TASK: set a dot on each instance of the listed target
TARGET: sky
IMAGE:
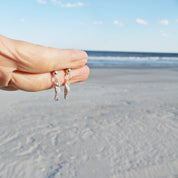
(112, 25)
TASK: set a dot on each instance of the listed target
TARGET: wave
(118, 58)
(104, 58)
(131, 61)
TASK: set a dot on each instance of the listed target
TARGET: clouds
(22, 20)
(42, 1)
(164, 22)
(164, 34)
(116, 22)
(77, 4)
(138, 21)
(141, 21)
(98, 22)
(61, 4)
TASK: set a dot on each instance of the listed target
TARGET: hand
(30, 67)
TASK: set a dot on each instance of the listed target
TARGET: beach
(120, 123)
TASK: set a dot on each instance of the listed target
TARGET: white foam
(111, 58)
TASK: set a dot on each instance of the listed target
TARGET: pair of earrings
(66, 86)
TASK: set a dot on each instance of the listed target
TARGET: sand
(119, 123)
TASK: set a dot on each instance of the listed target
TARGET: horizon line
(176, 53)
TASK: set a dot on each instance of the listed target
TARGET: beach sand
(121, 122)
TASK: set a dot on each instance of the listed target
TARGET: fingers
(38, 59)
(38, 82)
(28, 67)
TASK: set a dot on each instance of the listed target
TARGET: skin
(29, 67)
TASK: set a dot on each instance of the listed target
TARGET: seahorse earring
(56, 86)
(67, 83)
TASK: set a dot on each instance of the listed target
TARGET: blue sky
(119, 25)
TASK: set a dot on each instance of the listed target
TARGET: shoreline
(133, 67)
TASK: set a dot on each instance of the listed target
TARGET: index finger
(39, 59)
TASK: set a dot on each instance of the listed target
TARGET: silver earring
(56, 86)
(67, 83)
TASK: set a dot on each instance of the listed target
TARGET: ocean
(131, 59)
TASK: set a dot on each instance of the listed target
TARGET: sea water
(129, 59)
